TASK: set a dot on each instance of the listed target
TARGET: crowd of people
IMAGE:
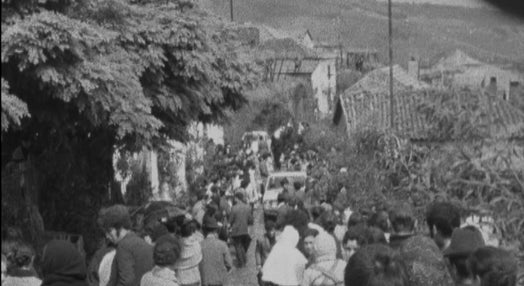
(307, 241)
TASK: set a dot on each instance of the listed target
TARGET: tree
(93, 75)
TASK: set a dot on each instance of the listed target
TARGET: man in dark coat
(425, 264)
(134, 256)
(241, 217)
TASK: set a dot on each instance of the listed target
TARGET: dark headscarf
(63, 265)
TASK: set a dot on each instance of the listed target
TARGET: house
(459, 70)
(366, 109)
(321, 72)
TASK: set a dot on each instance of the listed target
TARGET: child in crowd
(165, 254)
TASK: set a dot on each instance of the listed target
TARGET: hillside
(421, 30)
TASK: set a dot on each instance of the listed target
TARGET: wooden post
(231, 9)
(391, 96)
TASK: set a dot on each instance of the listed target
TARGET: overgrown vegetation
(482, 175)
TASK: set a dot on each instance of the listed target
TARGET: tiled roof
(456, 61)
(371, 109)
(378, 80)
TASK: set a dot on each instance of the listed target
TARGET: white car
(273, 188)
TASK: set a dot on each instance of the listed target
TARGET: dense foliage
(466, 166)
(81, 77)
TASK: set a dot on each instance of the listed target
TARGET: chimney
(414, 68)
(492, 87)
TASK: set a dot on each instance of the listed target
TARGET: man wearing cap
(134, 256)
(464, 241)
(239, 220)
(216, 259)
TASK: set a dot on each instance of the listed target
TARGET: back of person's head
(494, 266)
(354, 219)
(375, 265)
(402, 218)
(316, 212)
(239, 196)
(156, 230)
(188, 228)
(116, 216)
(380, 219)
(23, 255)
(296, 218)
(443, 217)
(297, 185)
(328, 221)
(284, 182)
(167, 251)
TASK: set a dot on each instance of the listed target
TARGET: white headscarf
(285, 263)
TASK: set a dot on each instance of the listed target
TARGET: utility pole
(391, 96)
(231, 9)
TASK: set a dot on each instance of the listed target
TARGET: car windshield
(274, 182)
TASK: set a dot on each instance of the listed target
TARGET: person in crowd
(63, 265)
(286, 187)
(282, 206)
(241, 217)
(153, 231)
(493, 266)
(464, 242)
(285, 264)
(23, 272)
(134, 256)
(380, 219)
(354, 219)
(442, 218)
(328, 221)
(425, 264)
(300, 192)
(264, 246)
(11, 238)
(187, 266)
(375, 265)
(326, 270)
(309, 241)
(99, 269)
(165, 254)
(216, 259)
(199, 208)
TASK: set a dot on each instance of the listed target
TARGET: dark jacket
(133, 258)
(425, 264)
(240, 218)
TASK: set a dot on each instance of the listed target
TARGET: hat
(210, 222)
(325, 246)
(464, 241)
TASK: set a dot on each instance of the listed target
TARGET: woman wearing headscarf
(63, 265)
(327, 269)
(285, 263)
